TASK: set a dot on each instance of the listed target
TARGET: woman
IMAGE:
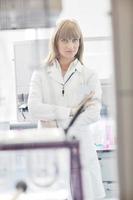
(57, 90)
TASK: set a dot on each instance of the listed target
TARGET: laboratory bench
(22, 125)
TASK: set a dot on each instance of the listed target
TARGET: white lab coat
(46, 102)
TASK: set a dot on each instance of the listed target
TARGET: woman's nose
(70, 44)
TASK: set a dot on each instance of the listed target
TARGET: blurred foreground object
(43, 173)
(122, 15)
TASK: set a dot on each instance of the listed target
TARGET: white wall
(7, 77)
(93, 15)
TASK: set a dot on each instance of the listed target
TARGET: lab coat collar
(74, 65)
(54, 70)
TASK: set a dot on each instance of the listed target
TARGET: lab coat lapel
(55, 74)
(75, 66)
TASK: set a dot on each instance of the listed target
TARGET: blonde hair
(66, 29)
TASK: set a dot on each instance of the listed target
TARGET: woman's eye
(75, 40)
(64, 40)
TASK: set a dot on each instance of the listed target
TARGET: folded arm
(92, 100)
(43, 111)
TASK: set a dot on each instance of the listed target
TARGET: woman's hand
(87, 101)
(49, 124)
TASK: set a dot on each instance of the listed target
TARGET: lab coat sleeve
(39, 110)
(92, 113)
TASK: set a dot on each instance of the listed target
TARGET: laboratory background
(25, 30)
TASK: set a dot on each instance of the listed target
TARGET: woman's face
(68, 48)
